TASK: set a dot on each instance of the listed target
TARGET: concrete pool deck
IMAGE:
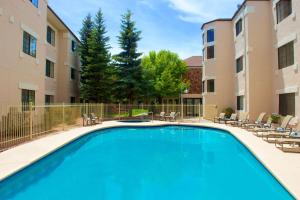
(284, 166)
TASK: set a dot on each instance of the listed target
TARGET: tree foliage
(164, 74)
(128, 62)
(97, 72)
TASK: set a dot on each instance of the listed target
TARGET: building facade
(38, 58)
(255, 62)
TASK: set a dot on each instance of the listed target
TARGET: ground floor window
(191, 106)
(240, 102)
(72, 99)
(287, 104)
(28, 96)
(49, 99)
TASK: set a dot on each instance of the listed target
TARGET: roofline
(235, 14)
(63, 23)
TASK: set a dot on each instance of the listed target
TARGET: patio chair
(257, 123)
(172, 116)
(290, 143)
(94, 118)
(86, 120)
(242, 119)
(219, 118)
(162, 116)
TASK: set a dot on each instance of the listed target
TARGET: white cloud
(146, 3)
(197, 11)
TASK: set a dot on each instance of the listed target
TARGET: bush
(275, 118)
(228, 112)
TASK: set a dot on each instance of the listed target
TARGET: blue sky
(165, 24)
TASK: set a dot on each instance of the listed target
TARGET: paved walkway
(284, 166)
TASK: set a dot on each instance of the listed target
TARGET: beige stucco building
(38, 57)
(254, 62)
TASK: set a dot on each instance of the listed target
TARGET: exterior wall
(286, 80)
(255, 45)
(20, 71)
(194, 75)
(221, 68)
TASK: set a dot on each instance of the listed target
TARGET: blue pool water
(173, 162)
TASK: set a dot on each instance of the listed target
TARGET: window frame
(285, 110)
(240, 103)
(49, 99)
(72, 73)
(210, 88)
(73, 46)
(72, 99)
(239, 64)
(49, 72)
(239, 27)
(50, 35)
(35, 3)
(281, 10)
(286, 55)
(27, 96)
(208, 37)
(208, 52)
(29, 44)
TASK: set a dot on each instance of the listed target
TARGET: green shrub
(228, 111)
(275, 118)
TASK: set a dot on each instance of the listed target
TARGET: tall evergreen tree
(128, 62)
(97, 74)
(85, 35)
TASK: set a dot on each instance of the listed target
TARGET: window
(283, 9)
(210, 53)
(72, 99)
(29, 44)
(203, 38)
(203, 86)
(28, 96)
(73, 73)
(211, 35)
(35, 2)
(287, 104)
(74, 45)
(239, 64)
(238, 27)
(50, 36)
(49, 99)
(49, 69)
(211, 85)
(240, 102)
(286, 55)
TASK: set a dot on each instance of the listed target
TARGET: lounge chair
(282, 131)
(219, 118)
(257, 123)
(162, 116)
(172, 116)
(264, 128)
(242, 119)
(233, 118)
(288, 144)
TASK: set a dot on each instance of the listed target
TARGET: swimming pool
(171, 162)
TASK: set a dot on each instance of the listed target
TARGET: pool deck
(284, 166)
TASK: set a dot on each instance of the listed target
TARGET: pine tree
(128, 62)
(85, 35)
(96, 87)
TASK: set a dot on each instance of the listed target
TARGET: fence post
(199, 111)
(181, 110)
(119, 111)
(30, 120)
(102, 112)
(63, 115)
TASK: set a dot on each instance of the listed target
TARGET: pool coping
(285, 167)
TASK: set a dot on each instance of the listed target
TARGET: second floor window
(73, 73)
(211, 35)
(286, 55)
(35, 2)
(74, 45)
(238, 27)
(210, 52)
(240, 102)
(49, 69)
(283, 9)
(50, 36)
(211, 85)
(29, 44)
(239, 64)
